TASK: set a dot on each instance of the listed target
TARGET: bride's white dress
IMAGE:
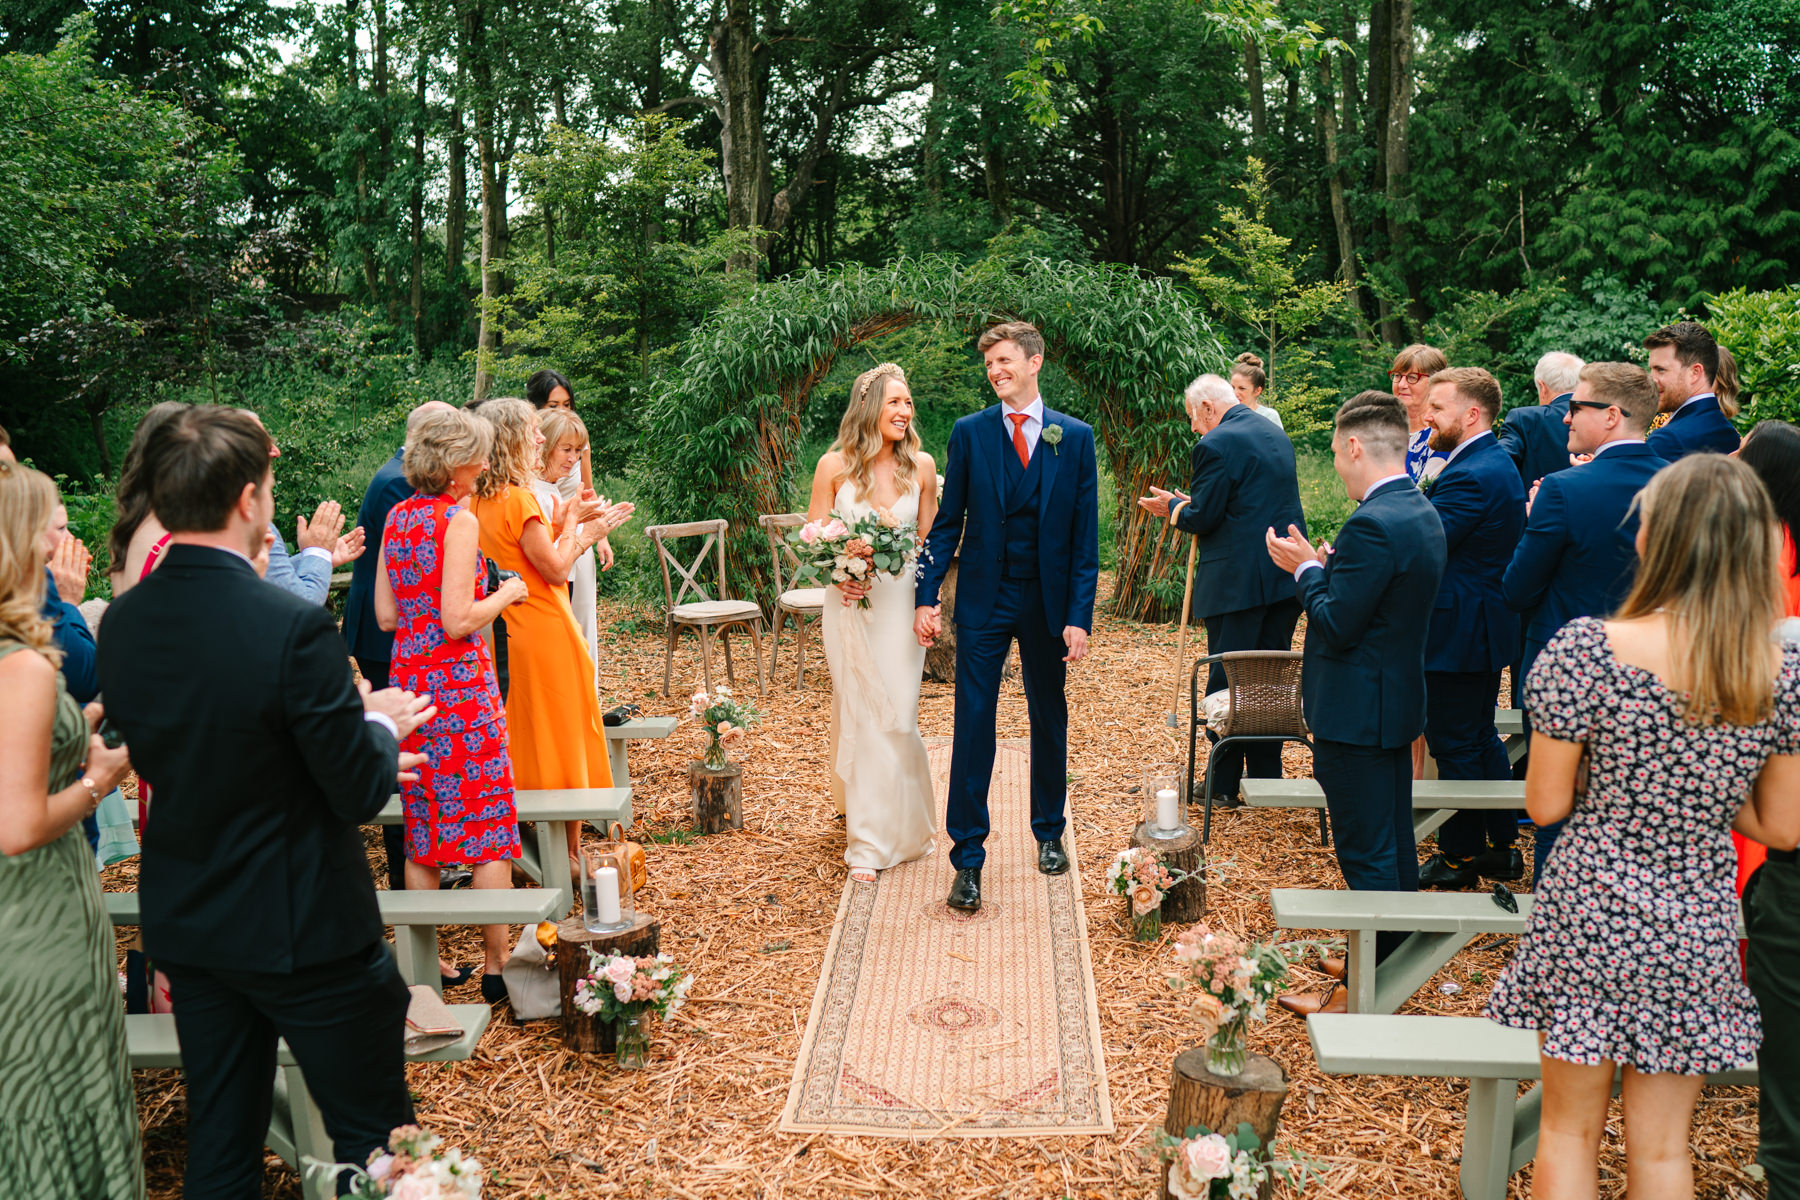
(876, 663)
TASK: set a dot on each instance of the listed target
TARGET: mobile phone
(110, 737)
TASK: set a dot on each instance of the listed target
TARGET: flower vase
(631, 1042)
(1147, 926)
(1225, 1048)
(715, 753)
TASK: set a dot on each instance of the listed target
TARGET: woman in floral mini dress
(1689, 712)
(430, 589)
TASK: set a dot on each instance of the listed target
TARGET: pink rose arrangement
(618, 984)
(725, 718)
(1205, 1165)
(414, 1166)
(1139, 875)
(861, 549)
(1225, 978)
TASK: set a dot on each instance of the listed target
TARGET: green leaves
(1763, 331)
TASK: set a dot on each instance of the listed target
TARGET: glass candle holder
(1165, 814)
(606, 895)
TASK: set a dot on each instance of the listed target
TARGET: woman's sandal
(863, 874)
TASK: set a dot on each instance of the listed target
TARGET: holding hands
(928, 623)
(1291, 551)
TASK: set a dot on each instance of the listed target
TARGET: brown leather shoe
(1302, 1004)
(1334, 966)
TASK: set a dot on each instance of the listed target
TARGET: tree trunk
(591, 1035)
(739, 69)
(456, 205)
(1399, 118)
(940, 656)
(1334, 179)
(1197, 1097)
(416, 203)
(96, 410)
(718, 796)
(993, 176)
(1186, 901)
(1253, 86)
(482, 76)
(1115, 187)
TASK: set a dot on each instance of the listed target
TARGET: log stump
(1186, 901)
(1221, 1103)
(591, 1035)
(940, 656)
(718, 796)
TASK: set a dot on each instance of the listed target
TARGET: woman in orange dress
(552, 710)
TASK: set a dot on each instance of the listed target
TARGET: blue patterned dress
(461, 808)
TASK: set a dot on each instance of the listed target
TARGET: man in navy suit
(1368, 604)
(1536, 436)
(1579, 552)
(1474, 636)
(1020, 497)
(1244, 484)
(1684, 360)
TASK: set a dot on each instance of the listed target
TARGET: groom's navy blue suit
(1030, 564)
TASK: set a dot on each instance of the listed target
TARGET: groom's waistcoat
(1020, 525)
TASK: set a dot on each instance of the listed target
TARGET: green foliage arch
(724, 424)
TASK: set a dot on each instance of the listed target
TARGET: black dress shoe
(965, 890)
(1441, 872)
(1504, 863)
(1052, 859)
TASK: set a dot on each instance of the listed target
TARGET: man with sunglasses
(1579, 555)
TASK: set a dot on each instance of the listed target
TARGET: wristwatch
(87, 781)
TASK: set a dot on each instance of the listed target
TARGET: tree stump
(581, 1032)
(1186, 901)
(718, 796)
(940, 657)
(1221, 1103)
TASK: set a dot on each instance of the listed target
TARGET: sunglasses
(1599, 404)
(1504, 898)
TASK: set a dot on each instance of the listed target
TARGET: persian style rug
(928, 1022)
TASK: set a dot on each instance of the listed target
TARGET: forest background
(331, 211)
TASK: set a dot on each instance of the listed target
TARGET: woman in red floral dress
(430, 589)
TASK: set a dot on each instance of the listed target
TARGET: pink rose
(623, 992)
(809, 532)
(420, 1186)
(834, 529)
(1206, 1157)
(620, 970)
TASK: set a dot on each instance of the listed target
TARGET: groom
(1019, 495)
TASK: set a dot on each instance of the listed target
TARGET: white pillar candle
(606, 895)
(1168, 809)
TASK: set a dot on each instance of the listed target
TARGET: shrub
(1762, 329)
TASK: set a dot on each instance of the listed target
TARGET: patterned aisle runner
(930, 1022)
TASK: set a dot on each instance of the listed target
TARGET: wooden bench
(636, 729)
(296, 1127)
(416, 916)
(1501, 1129)
(1434, 800)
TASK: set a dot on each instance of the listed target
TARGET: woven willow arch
(722, 427)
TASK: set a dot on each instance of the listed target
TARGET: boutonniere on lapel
(1052, 437)
(1429, 477)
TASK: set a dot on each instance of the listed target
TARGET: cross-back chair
(702, 613)
(797, 604)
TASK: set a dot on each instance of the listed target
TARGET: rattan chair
(1264, 690)
(795, 603)
(704, 614)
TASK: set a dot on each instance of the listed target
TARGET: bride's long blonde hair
(859, 437)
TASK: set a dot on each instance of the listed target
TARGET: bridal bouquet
(861, 549)
(415, 1166)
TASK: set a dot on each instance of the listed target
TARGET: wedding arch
(726, 422)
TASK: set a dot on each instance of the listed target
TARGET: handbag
(631, 852)
(531, 979)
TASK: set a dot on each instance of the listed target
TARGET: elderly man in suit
(1244, 484)
(1579, 552)
(239, 707)
(370, 645)
(1362, 683)
(1474, 636)
(1684, 361)
(1536, 436)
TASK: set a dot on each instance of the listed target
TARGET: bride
(876, 661)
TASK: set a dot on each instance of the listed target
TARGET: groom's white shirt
(1034, 423)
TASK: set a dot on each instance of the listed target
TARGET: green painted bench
(636, 729)
(1434, 800)
(1510, 724)
(416, 916)
(1501, 1127)
(296, 1127)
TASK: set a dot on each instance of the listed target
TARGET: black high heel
(462, 976)
(493, 988)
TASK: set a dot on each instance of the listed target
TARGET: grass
(1322, 496)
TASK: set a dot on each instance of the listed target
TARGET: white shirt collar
(1034, 413)
(1466, 443)
(1383, 482)
(1695, 400)
(1618, 442)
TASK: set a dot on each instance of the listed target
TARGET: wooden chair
(1264, 686)
(790, 602)
(704, 614)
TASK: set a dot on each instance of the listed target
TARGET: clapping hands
(405, 709)
(69, 564)
(1291, 551)
(1158, 502)
(323, 531)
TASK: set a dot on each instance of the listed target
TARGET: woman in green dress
(68, 1118)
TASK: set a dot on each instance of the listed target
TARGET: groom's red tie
(1018, 420)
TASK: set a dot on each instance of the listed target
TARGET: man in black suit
(1474, 636)
(1535, 436)
(257, 902)
(1244, 484)
(1368, 604)
(370, 645)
